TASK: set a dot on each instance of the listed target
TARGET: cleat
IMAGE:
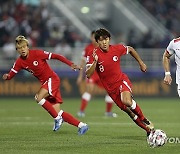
(81, 114)
(110, 114)
(150, 132)
(148, 124)
(83, 130)
(57, 123)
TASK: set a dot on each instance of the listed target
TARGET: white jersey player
(173, 48)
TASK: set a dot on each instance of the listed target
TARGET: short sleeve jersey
(108, 65)
(174, 48)
(36, 64)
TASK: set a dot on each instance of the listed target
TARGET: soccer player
(105, 59)
(48, 96)
(91, 83)
(172, 49)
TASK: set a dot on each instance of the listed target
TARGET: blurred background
(64, 26)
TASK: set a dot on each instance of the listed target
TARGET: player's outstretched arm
(80, 76)
(9, 76)
(61, 58)
(166, 61)
(134, 54)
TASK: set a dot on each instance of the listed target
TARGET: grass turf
(26, 128)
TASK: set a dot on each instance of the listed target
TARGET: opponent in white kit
(173, 48)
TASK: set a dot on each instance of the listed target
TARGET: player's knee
(126, 101)
(37, 99)
(108, 99)
(86, 96)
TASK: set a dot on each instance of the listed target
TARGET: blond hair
(20, 40)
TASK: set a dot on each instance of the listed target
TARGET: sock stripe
(60, 112)
(42, 101)
(133, 106)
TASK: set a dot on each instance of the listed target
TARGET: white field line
(89, 123)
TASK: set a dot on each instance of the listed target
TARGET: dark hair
(102, 33)
(93, 32)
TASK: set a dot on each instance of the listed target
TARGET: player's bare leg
(134, 107)
(59, 116)
(86, 97)
(40, 98)
(136, 119)
(57, 107)
(109, 104)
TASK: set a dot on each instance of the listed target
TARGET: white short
(178, 89)
(178, 76)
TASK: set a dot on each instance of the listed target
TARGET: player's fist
(75, 67)
(143, 67)
(167, 79)
(5, 76)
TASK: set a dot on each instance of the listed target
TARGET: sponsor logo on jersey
(115, 58)
(100, 62)
(46, 52)
(35, 63)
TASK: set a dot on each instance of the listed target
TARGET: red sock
(137, 111)
(70, 119)
(48, 107)
(109, 106)
(83, 104)
(140, 124)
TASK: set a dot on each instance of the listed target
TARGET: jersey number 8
(101, 68)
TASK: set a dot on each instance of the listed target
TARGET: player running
(48, 96)
(172, 49)
(91, 83)
(105, 59)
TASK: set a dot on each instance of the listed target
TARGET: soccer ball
(157, 138)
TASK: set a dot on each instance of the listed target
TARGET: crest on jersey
(115, 58)
(35, 63)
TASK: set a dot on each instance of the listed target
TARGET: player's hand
(95, 55)
(167, 79)
(5, 76)
(143, 67)
(75, 67)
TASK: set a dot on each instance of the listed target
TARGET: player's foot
(110, 114)
(150, 132)
(81, 114)
(83, 130)
(57, 123)
(148, 124)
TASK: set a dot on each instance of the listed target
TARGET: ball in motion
(157, 138)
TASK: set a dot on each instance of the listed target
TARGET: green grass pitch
(26, 128)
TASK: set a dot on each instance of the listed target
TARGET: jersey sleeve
(89, 58)
(48, 55)
(14, 70)
(61, 58)
(43, 54)
(123, 49)
(170, 49)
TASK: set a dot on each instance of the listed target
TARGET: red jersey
(90, 48)
(36, 64)
(108, 65)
